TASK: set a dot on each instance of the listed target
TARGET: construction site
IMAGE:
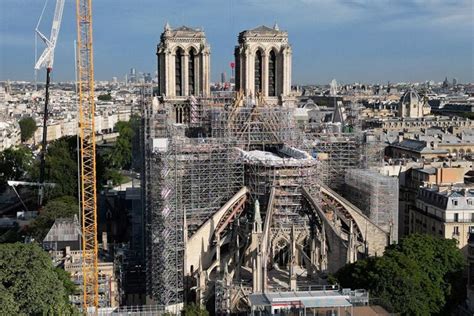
(376, 195)
(238, 199)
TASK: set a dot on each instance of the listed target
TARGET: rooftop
(418, 146)
(310, 299)
(284, 157)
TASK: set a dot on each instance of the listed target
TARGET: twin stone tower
(262, 62)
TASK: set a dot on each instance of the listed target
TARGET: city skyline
(365, 41)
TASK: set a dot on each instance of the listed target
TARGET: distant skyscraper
(223, 79)
(333, 88)
(445, 83)
(133, 75)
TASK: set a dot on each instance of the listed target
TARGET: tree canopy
(422, 275)
(61, 165)
(62, 207)
(105, 97)
(27, 128)
(15, 164)
(120, 155)
(29, 283)
(195, 310)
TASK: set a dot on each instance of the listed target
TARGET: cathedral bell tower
(183, 63)
(263, 63)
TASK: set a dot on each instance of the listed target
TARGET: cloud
(443, 13)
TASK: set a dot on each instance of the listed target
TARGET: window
(258, 71)
(178, 74)
(469, 201)
(272, 74)
(191, 77)
(472, 217)
(456, 217)
(456, 230)
(455, 202)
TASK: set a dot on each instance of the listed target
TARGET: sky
(349, 40)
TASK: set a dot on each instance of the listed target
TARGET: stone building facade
(183, 63)
(412, 105)
(447, 213)
(263, 63)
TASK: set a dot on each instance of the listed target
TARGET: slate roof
(417, 146)
(263, 29)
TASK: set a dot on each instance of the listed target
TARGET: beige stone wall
(264, 40)
(191, 42)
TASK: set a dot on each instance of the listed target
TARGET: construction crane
(87, 163)
(46, 60)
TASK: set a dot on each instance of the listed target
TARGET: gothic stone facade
(263, 63)
(183, 63)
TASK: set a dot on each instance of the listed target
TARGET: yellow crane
(86, 114)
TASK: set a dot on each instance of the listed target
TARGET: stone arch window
(272, 74)
(179, 71)
(258, 71)
(281, 253)
(191, 72)
(179, 114)
(186, 115)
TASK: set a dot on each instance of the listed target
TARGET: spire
(257, 217)
(167, 26)
(276, 27)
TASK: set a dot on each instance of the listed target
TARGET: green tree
(415, 277)
(195, 310)
(15, 164)
(105, 97)
(27, 128)
(441, 260)
(61, 165)
(29, 283)
(120, 156)
(62, 207)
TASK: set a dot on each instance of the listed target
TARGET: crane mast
(46, 60)
(86, 114)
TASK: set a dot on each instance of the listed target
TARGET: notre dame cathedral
(233, 201)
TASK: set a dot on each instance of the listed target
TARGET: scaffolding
(190, 179)
(338, 153)
(285, 169)
(253, 125)
(376, 195)
(194, 167)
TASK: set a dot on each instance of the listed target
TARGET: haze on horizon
(350, 40)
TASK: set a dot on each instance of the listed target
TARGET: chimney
(438, 176)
